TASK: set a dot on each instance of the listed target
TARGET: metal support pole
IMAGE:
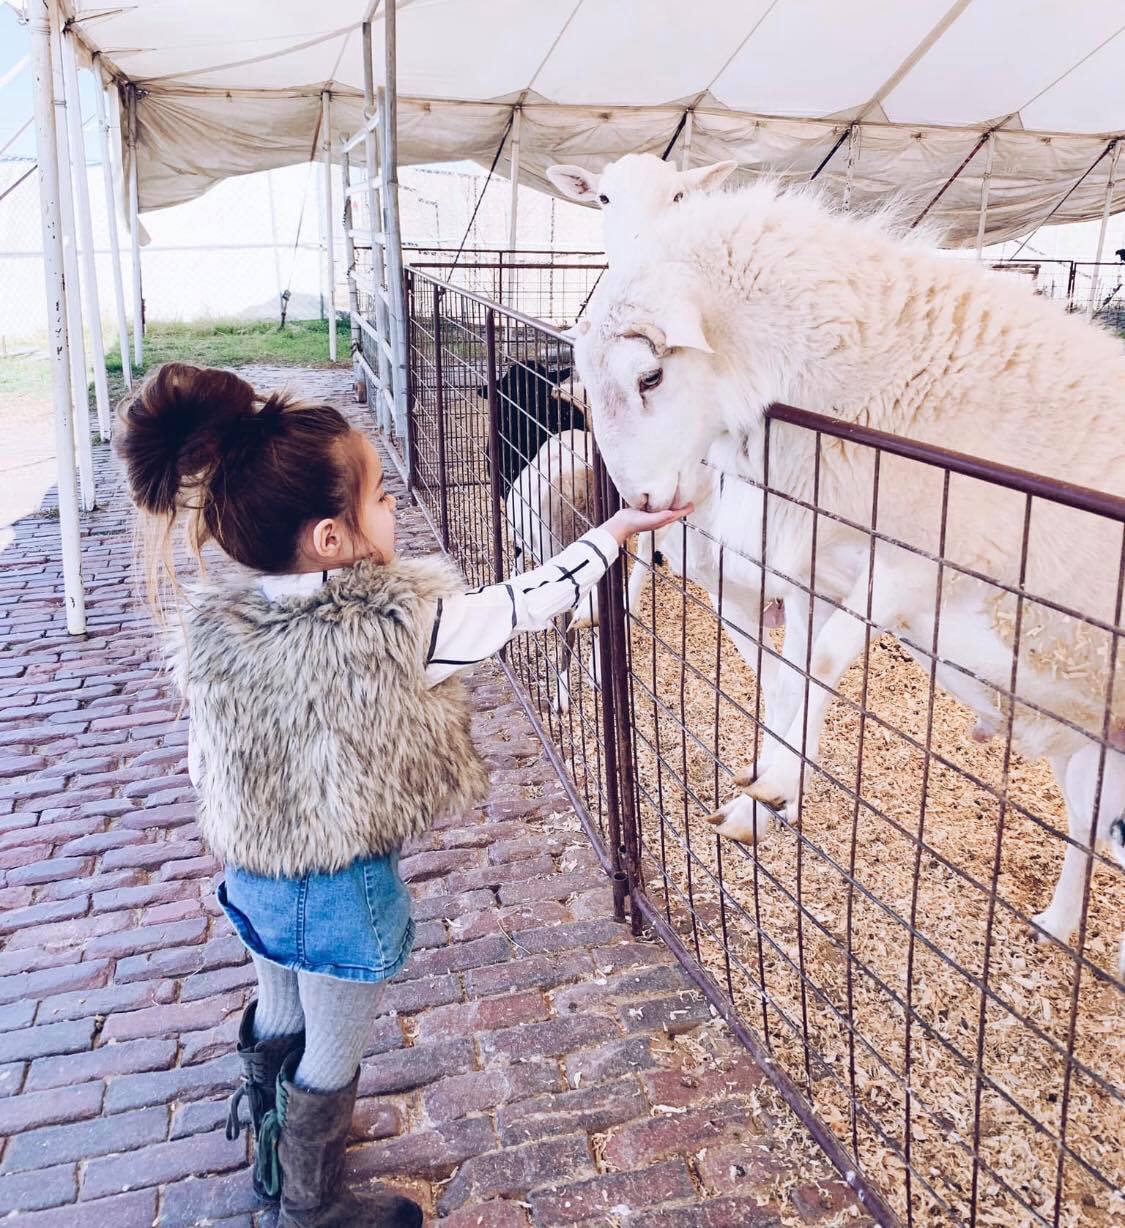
(375, 224)
(273, 238)
(111, 226)
(495, 489)
(439, 390)
(46, 145)
(395, 284)
(349, 260)
(513, 213)
(985, 187)
(135, 235)
(1110, 184)
(329, 221)
(689, 132)
(853, 156)
(411, 406)
(75, 338)
(80, 177)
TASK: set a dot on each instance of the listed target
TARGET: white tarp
(232, 86)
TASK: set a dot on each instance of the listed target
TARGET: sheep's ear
(574, 183)
(707, 178)
(682, 326)
(578, 329)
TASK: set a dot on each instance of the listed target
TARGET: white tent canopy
(226, 88)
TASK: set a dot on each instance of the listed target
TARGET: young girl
(326, 729)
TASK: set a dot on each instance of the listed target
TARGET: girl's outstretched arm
(470, 627)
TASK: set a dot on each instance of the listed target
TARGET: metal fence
(1080, 285)
(551, 286)
(877, 949)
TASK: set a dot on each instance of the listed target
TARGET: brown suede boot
(261, 1064)
(302, 1151)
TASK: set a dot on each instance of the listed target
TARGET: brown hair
(248, 470)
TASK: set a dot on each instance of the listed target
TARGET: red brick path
(537, 1066)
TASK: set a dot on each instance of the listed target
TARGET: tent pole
(349, 258)
(81, 177)
(689, 132)
(378, 237)
(985, 187)
(853, 156)
(513, 214)
(329, 221)
(396, 286)
(75, 337)
(1110, 184)
(273, 236)
(111, 226)
(135, 235)
(46, 146)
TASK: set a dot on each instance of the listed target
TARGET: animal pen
(877, 952)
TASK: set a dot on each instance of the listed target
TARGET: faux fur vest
(318, 740)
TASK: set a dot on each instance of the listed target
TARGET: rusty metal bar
(1066, 493)
(443, 475)
(408, 331)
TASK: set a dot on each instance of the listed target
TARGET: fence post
(408, 326)
(439, 381)
(611, 667)
(494, 443)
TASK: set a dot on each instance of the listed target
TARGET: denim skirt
(354, 924)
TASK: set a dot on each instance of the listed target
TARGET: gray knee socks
(337, 1017)
(278, 1012)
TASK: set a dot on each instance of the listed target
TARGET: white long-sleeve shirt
(470, 627)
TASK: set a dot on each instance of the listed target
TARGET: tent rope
(480, 198)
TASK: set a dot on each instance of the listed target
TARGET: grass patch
(210, 343)
(234, 343)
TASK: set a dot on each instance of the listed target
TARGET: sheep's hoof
(747, 775)
(740, 820)
(1048, 926)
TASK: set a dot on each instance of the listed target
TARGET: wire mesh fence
(1098, 289)
(915, 771)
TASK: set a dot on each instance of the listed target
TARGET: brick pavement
(537, 1065)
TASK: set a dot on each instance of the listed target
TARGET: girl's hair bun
(176, 424)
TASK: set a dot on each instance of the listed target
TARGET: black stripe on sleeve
(512, 599)
(434, 633)
(596, 549)
(563, 575)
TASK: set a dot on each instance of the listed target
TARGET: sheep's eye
(677, 198)
(603, 199)
(651, 379)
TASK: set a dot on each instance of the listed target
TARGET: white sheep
(633, 191)
(742, 299)
(551, 504)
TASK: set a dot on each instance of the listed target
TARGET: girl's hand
(629, 521)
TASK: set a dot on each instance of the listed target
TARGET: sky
(15, 97)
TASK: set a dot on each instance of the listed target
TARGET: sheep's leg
(741, 818)
(834, 647)
(1078, 776)
(561, 703)
(642, 568)
(1117, 847)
